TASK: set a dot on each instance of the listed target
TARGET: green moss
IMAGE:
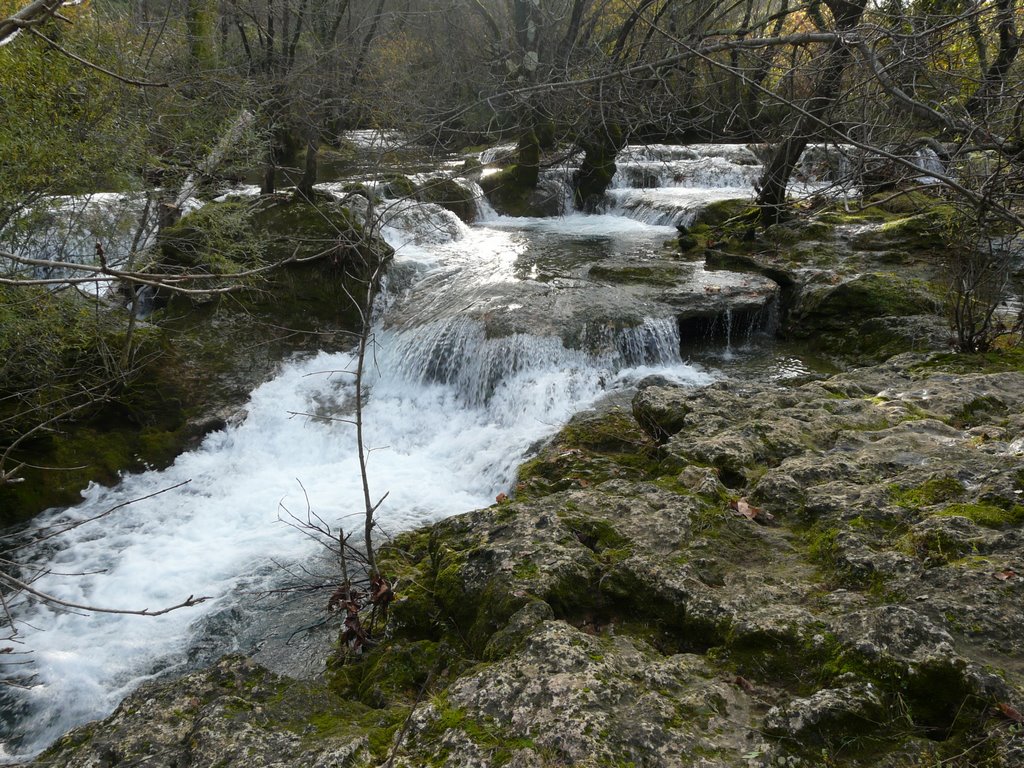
(934, 547)
(391, 673)
(643, 274)
(489, 737)
(908, 201)
(451, 195)
(590, 449)
(981, 410)
(599, 536)
(787, 659)
(938, 490)
(987, 515)
(910, 222)
(722, 212)
(822, 546)
(993, 361)
(217, 239)
(398, 185)
(867, 296)
(106, 409)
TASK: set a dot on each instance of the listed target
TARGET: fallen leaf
(742, 682)
(380, 591)
(501, 498)
(1010, 713)
(743, 508)
(1005, 575)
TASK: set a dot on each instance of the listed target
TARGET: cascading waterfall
(452, 410)
(74, 226)
(667, 185)
(928, 160)
(486, 343)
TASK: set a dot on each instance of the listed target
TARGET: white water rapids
(451, 414)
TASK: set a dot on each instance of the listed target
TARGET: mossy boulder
(660, 411)
(928, 230)
(512, 196)
(592, 448)
(398, 185)
(451, 195)
(216, 239)
(869, 317)
(827, 307)
(720, 212)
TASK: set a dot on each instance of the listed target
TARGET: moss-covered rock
(511, 196)
(928, 230)
(451, 195)
(868, 317)
(723, 212)
(826, 307)
(592, 448)
(398, 185)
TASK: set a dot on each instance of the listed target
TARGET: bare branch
(6, 578)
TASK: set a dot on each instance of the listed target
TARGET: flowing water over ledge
(492, 337)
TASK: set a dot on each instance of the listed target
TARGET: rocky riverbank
(819, 573)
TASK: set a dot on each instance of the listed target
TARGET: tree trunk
(995, 75)
(309, 174)
(598, 167)
(201, 26)
(771, 187)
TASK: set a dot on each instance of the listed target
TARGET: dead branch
(49, 599)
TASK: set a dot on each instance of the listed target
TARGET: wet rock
(661, 411)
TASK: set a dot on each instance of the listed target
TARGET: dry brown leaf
(380, 591)
(1005, 575)
(743, 508)
(501, 498)
(743, 683)
(1010, 713)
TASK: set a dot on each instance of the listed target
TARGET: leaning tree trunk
(771, 187)
(598, 167)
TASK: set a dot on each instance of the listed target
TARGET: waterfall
(928, 160)
(68, 228)
(453, 407)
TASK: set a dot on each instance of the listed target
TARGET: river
(490, 338)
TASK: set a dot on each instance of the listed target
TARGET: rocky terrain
(817, 573)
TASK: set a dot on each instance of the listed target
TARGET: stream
(489, 338)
